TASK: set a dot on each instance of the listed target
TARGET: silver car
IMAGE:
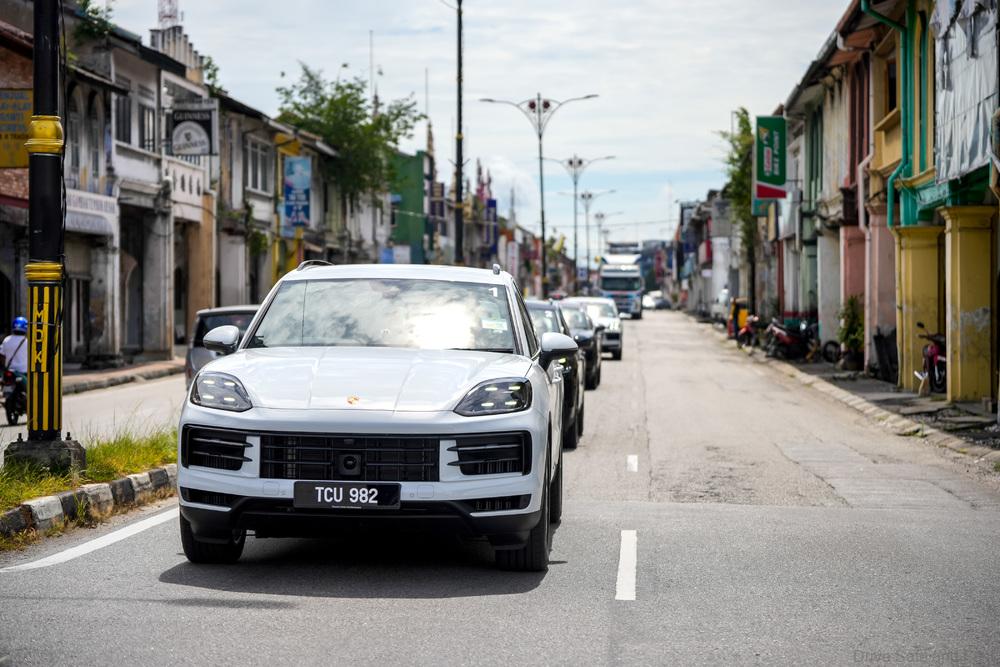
(377, 394)
(206, 320)
(604, 312)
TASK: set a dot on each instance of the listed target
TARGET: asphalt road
(770, 526)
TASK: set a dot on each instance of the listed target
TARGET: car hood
(365, 378)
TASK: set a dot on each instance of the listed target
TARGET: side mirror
(554, 346)
(600, 328)
(223, 340)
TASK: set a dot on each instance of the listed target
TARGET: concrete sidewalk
(76, 381)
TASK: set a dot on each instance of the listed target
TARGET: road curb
(92, 501)
(115, 380)
(886, 419)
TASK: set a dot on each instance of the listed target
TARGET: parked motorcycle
(750, 335)
(789, 343)
(935, 363)
(15, 396)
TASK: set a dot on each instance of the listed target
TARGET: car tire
(210, 552)
(579, 421)
(571, 435)
(534, 555)
(591, 382)
(617, 355)
(597, 380)
(556, 494)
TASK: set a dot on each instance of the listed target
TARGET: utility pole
(459, 211)
(588, 199)
(44, 270)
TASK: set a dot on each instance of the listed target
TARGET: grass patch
(107, 460)
(996, 466)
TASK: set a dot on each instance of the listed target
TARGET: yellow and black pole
(44, 271)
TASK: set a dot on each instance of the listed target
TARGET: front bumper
(265, 505)
(611, 341)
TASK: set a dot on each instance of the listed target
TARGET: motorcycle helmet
(20, 325)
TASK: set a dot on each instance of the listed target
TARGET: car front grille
(214, 448)
(350, 458)
(493, 454)
(612, 335)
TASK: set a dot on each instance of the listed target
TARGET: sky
(668, 74)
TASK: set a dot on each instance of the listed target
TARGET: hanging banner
(193, 127)
(15, 115)
(769, 158)
(298, 180)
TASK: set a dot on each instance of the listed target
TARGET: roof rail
(496, 269)
(312, 262)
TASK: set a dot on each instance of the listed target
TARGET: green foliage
(739, 170)
(852, 325)
(341, 112)
(96, 20)
(210, 70)
(257, 242)
(109, 459)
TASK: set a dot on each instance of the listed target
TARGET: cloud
(668, 73)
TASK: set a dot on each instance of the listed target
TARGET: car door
(553, 377)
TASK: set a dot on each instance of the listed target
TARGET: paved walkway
(76, 381)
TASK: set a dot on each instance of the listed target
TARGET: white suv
(376, 394)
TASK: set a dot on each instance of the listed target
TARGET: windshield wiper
(502, 350)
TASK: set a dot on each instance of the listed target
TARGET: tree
(739, 166)
(739, 170)
(341, 112)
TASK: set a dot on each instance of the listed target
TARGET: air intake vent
(207, 497)
(498, 504)
(214, 448)
(350, 458)
(493, 454)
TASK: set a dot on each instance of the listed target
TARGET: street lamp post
(539, 111)
(44, 271)
(600, 217)
(588, 198)
(575, 166)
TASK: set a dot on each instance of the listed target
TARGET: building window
(93, 142)
(257, 161)
(123, 114)
(74, 130)
(890, 86)
(147, 127)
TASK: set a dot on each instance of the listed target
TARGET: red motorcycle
(935, 362)
(749, 336)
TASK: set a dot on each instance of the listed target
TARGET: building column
(828, 284)
(919, 279)
(158, 286)
(969, 299)
(880, 279)
(201, 261)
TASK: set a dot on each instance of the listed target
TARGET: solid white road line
(625, 588)
(97, 543)
(632, 463)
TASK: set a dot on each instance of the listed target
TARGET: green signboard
(769, 158)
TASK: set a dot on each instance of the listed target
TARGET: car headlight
(221, 391)
(496, 397)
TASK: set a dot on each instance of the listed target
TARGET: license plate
(353, 495)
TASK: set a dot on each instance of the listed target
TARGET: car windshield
(375, 312)
(576, 319)
(620, 283)
(601, 310)
(209, 322)
(544, 321)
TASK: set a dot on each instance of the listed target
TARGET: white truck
(620, 279)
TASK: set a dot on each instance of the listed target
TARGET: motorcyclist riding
(14, 348)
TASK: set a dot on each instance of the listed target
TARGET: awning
(88, 223)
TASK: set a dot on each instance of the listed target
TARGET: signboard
(769, 158)
(193, 126)
(386, 256)
(298, 181)
(15, 114)
(90, 213)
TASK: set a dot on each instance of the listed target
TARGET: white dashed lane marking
(632, 463)
(625, 588)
